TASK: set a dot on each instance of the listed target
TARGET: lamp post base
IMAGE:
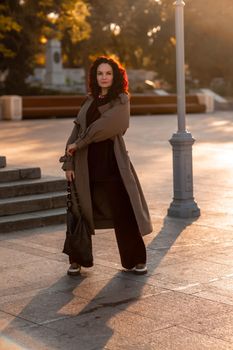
(183, 209)
(183, 204)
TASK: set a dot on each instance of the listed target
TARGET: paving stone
(219, 326)
(6, 320)
(28, 247)
(115, 291)
(110, 255)
(111, 269)
(175, 338)
(45, 307)
(49, 239)
(40, 273)
(222, 254)
(172, 308)
(98, 327)
(16, 256)
(163, 257)
(116, 265)
(199, 271)
(35, 234)
(36, 338)
(220, 291)
(166, 282)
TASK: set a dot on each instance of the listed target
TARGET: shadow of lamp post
(183, 204)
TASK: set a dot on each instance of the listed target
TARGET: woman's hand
(70, 175)
(71, 149)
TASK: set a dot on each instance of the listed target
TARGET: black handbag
(78, 242)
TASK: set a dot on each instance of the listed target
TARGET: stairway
(28, 200)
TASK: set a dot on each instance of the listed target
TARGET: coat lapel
(105, 107)
(81, 118)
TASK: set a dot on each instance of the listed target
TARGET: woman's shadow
(87, 312)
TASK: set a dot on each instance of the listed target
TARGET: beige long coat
(112, 124)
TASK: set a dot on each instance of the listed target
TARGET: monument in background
(54, 73)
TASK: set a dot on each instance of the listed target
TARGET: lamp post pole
(183, 204)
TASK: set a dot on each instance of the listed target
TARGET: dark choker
(102, 96)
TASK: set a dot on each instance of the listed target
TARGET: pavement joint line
(209, 260)
(164, 289)
(199, 284)
(28, 248)
(203, 333)
(21, 318)
(158, 248)
(187, 286)
(223, 229)
(213, 280)
(104, 305)
(41, 289)
(211, 300)
(54, 320)
(186, 245)
(120, 302)
(221, 278)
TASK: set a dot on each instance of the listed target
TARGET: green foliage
(7, 25)
(141, 34)
(23, 23)
(133, 19)
(72, 20)
(137, 32)
(23, 43)
(126, 29)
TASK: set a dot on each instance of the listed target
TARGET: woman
(96, 159)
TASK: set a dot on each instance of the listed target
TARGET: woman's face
(104, 76)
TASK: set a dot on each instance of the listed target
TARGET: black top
(101, 157)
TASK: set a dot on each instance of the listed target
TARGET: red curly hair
(120, 79)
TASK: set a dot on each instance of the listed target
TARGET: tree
(140, 33)
(21, 43)
(208, 32)
(32, 20)
(126, 29)
(7, 25)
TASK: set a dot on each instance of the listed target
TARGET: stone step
(32, 220)
(31, 203)
(31, 187)
(15, 174)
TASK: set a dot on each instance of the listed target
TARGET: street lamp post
(183, 204)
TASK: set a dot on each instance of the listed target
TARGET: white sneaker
(74, 270)
(140, 269)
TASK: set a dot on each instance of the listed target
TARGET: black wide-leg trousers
(129, 240)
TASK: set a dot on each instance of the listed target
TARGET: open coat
(112, 124)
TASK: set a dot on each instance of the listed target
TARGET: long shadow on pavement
(89, 312)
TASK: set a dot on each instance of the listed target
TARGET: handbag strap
(69, 199)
